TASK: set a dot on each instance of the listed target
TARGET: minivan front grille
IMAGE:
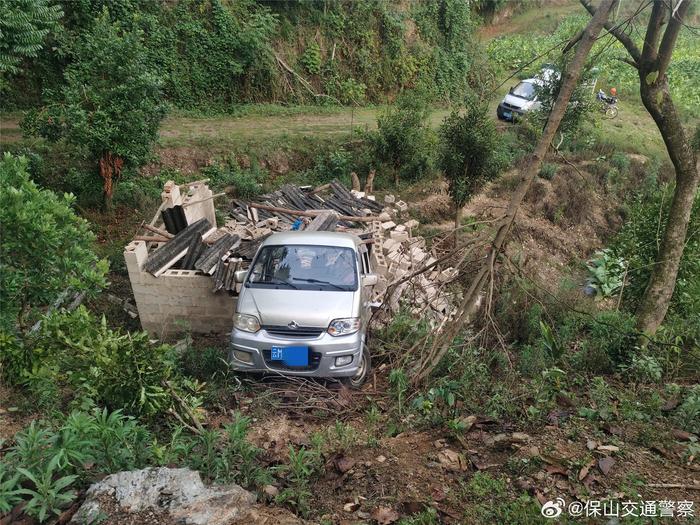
(298, 332)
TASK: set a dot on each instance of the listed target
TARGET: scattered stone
(609, 448)
(179, 492)
(389, 199)
(413, 223)
(380, 459)
(271, 491)
(520, 437)
(351, 506)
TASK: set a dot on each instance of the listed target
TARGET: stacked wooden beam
(176, 248)
(295, 198)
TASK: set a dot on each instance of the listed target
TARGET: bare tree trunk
(442, 341)
(110, 170)
(657, 297)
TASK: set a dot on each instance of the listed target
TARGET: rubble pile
(397, 254)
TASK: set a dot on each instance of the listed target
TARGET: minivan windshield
(524, 90)
(304, 267)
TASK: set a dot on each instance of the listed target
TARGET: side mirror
(370, 279)
(240, 275)
(511, 90)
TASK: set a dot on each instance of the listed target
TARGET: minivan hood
(517, 102)
(278, 307)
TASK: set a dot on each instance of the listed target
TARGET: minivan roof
(323, 238)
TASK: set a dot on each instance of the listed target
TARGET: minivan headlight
(246, 323)
(345, 326)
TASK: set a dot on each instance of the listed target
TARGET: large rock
(177, 492)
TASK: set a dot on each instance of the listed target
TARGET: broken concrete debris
(200, 250)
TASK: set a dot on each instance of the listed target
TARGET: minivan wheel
(358, 379)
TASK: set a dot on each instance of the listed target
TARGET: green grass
(537, 20)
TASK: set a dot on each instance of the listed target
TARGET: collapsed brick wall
(179, 300)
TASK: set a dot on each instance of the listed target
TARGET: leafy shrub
(620, 161)
(580, 108)
(606, 273)
(469, 143)
(46, 252)
(301, 466)
(311, 59)
(49, 460)
(404, 142)
(607, 341)
(688, 413)
(120, 371)
(638, 242)
(245, 183)
(548, 171)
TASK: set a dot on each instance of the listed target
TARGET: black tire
(363, 373)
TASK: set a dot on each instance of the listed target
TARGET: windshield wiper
(275, 280)
(317, 281)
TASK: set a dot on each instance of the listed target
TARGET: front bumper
(509, 114)
(323, 350)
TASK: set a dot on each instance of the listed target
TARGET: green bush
(688, 413)
(311, 59)
(469, 146)
(46, 251)
(48, 460)
(86, 360)
(548, 171)
(404, 142)
(245, 183)
(607, 341)
(638, 240)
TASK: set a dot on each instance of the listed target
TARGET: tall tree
(110, 105)
(24, 25)
(469, 143)
(652, 63)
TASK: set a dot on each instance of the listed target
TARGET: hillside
(548, 398)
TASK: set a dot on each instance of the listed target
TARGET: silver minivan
(304, 308)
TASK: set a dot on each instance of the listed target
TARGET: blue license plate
(290, 355)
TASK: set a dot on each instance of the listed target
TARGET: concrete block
(447, 275)
(400, 228)
(401, 206)
(388, 225)
(399, 236)
(391, 245)
(384, 216)
(389, 199)
(413, 223)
